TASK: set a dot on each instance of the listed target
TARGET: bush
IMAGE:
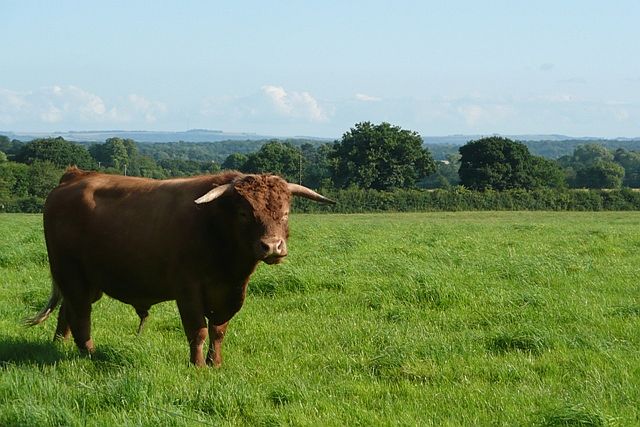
(31, 204)
(354, 200)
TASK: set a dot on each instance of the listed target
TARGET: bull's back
(118, 234)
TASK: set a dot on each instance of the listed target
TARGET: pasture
(484, 318)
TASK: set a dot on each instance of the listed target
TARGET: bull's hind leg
(77, 316)
(216, 335)
(63, 331)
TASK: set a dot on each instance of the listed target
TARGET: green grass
(487, 318)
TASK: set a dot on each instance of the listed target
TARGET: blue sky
(316, 68)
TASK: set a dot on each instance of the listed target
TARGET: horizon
(295, 69)
(258, 136)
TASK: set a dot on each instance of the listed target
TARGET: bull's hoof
(61, 337)
(214, 363)
(87, 347)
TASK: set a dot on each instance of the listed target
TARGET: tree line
(369, 157)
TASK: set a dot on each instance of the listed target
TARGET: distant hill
(463, 139)
(549, 146)
(208, 135)
(193, 135)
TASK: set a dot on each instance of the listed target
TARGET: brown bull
(142, 241)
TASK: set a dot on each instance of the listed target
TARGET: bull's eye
(243, 216)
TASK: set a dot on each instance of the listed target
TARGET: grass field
(487, 318)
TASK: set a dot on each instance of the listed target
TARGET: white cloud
(275, 110)
(229, 108)
(11, 104)
(367, 98)
(53, 104)
(295, 104)
(148, 108)
(51, 115)
(556, 98)
(477, 114)
(271, 110)
(573, 81)
(621, 114)
(472, 113)
(73, 106)
(10, 100)
(621, 111)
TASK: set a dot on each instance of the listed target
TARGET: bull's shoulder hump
(73, 173)
(85, 187)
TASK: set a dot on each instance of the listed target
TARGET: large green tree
(446, 173)
(316, 166)
(234, 161)
(58, 151)
(500, 164)
(121, 156)
(115, 153)
(148, 168)
(588, 154)
(280, 158)
(382, 157)
(43, 177)
(546, 173)
(10, 147)
(630, 161)
(14, 184)
(593, 166)
(306, 162)
(179, 167)
(600, 175)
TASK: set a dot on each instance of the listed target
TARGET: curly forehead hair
(265, 193)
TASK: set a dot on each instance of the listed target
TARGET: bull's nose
(274, 247)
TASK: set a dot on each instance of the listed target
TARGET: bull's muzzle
(272, 251)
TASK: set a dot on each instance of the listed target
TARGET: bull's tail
(54, 299)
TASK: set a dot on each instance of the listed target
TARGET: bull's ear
(214, 194)
(302, 191)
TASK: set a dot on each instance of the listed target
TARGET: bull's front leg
(216, 335)
(195, 327)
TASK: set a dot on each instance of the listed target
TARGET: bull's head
(262, 207)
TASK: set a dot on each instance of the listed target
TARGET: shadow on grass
(626, 311)
(571, 415)
(20, 351)
(270, 287)
(523, 340)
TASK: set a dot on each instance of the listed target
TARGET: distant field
(485, 318)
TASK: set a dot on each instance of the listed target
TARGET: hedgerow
(354, 200)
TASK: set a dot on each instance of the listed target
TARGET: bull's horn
(302, 191)
(214, 194)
